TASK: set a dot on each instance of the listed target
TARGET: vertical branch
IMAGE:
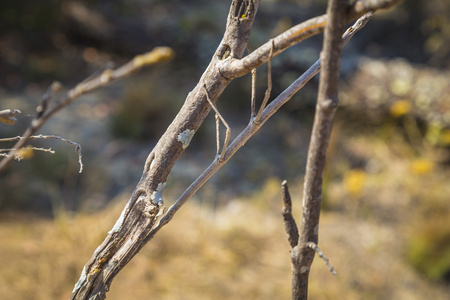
(302, 256)
(289, 223)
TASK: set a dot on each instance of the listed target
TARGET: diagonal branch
(145, 205)
(157, 55)
(232, 68)
(249, 131)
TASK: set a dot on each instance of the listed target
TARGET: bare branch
(25, 152)
(228, 130)
(54, 137)
(289, 221)
(269, 87)
(253, 97)
(232, 68)
(157, 55)
(137, 223)
(361, 7)
(302, 256)
(322, 256)
(248, 132)
(132, 230)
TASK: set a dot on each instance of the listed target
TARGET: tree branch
(302, 256)
(361, 7)
(249, 131)
(138, 222)
(232, 68)
(54, 137)
(289, 223)
(131, 231)
(157, 55)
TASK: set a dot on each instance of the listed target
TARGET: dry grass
(237, 252)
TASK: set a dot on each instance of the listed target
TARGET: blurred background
(385, 224)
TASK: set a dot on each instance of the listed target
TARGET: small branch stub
(286, 212)
(322, 256)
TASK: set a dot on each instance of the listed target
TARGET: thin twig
(55, 87)
(20, 156)
(269, 87)
(322, 256)
(289, 221)
(253, 95)
(228, 130)
(156, 55)
(217, 118)
(54, 137)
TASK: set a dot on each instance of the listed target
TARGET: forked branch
(291, 227)
(232, 68)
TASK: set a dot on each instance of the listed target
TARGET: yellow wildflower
(445, 137)
(422, 166)
(400, 108)
(354, 182)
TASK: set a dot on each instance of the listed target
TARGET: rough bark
(302, 255)
(146, 203)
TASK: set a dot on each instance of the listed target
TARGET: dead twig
(44, 113)
(269, 87)
(220, 153)
(289, 222)
(25, 152)
(232, 68)
(322, 256)
(54, 137)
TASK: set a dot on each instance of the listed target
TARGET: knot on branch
(302, 257)
(223, 52)
(329, 103)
